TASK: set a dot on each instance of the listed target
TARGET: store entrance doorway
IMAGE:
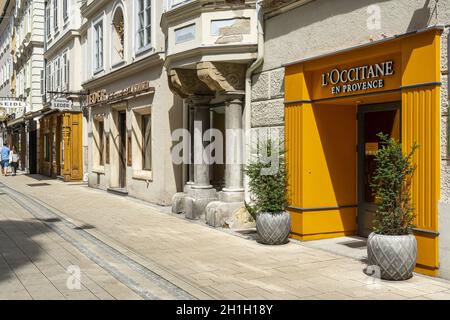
(372, 119)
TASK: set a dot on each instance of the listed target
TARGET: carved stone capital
(199, 101)
(273, 4)
(222, 76)
(185, 83)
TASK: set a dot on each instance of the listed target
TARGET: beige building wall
(164, 179)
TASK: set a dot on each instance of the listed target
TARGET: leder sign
(101, 96)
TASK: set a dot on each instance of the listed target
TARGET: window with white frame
(48, 19)
(147, 142)
(98, 46)
(55, 15)
(65, 10)
(52, 84)
(42, 73)
(29, 18)
(48, 77)
(9, 69)
(25, 77)
(65, 67)
(99, 136)
(58, 74)
(144, 24)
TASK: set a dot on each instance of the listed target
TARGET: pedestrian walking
(14, 160)
(5, 159)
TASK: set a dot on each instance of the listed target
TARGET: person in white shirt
(14, 160)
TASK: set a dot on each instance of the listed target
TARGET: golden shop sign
(101, 96)
(357, 79)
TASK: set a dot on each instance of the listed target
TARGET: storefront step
(118, 191)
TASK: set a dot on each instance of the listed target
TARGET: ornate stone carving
(185, 83)
(273, 4)
(221, 76)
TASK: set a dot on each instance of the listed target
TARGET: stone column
(190, 165)
(201, 165)
(201, 192)
(234, 190)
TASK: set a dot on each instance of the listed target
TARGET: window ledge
(144, 175)
(118, 64)
(144, 50)
(100, 170)
(97, 71)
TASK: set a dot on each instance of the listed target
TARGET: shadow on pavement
(17, 247)
(39, 177)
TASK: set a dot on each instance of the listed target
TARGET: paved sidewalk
(191, 259)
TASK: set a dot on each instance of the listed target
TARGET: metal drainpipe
(248, 89)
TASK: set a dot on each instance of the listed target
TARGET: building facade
(210, 50)
(131, 110)
(322, 76)
(62, 152)
(28, 65)
(8, 104)
(374, 67)
(6, 34)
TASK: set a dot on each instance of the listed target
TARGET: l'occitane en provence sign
(358, 79)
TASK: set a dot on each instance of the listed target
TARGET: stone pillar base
(187, 187)
(196, 201)
(178, 202)
(178, 199)
(231, 196)
(218, 212)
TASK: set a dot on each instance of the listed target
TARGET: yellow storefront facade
(334, 107)
(60, 141)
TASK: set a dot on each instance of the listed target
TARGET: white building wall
(6, 69)
(29, 29)
(36, 65)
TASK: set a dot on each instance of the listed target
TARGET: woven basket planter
(395, 255)
(273, 228)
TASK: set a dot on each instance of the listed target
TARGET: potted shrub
(392, 246)
(267, 186)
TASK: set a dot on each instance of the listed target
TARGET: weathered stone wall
(267, 105)
(444, 205)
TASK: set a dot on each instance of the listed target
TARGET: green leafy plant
(391, 185)
(267, 180)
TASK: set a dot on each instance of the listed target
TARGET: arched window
(118, 36)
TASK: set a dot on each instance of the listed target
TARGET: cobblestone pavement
(128, 249)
